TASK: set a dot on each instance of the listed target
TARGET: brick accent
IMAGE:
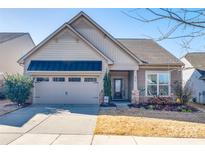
(135, 96)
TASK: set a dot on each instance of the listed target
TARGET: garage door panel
(84, 92)
(50, 92)
(66, 92)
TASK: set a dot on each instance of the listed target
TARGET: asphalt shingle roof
(36, 65)
(196, 59)
(149, 52)
(202, 72)
(9, 36)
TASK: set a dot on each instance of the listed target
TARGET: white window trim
(91, 81)
(91, 77)
(59, 77)
(35, 78)
(75, 77)
(158, 72)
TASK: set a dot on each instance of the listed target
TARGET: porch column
(135, 92)
(135, 80)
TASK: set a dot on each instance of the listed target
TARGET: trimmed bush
(17, 88)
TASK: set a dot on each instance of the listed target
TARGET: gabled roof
(4, 37)
(196, 59)
(54, 34)
(105, 32)
(202, 73)
(144, 51)
(150, 52)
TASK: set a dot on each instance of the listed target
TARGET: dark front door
(117, 88)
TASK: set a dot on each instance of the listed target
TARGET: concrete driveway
(57, 124)
(43, 124)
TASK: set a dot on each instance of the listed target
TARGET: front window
(74, 79)
(42, 79)
(90, 79)
(58, 79)
(157, 83)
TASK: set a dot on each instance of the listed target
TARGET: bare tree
(190, 22)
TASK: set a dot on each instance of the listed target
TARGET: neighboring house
(194, 74)
(69, 65)
(12, 47)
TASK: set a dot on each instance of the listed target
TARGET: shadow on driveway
(20, 117)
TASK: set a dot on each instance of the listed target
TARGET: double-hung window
(157, 83)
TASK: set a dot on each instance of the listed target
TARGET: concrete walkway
(59, 139)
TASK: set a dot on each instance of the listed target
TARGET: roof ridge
(133, 39)
(105, 32)
(189, 53)
(14, 32)
(12, 37)
(65, 25)
(198, 52)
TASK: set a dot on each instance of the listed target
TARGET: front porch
(123, 84)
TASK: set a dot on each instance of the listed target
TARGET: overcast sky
(42, 22)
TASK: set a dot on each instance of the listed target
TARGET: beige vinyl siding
(121, 59)
(11, 51)
(65, 46)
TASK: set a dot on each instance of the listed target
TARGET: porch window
(157, 83)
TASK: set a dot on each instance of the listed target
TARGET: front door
(117, 88)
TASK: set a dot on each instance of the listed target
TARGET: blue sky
(42, 22)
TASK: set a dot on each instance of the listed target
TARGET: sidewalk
(134, 140)
(59, 139)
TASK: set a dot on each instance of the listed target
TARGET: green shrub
(17, 88)
(184, 93)
(2, 94)
(186, 110)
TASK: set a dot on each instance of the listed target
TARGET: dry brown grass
(132, 124)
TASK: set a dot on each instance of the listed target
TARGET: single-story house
(12, 47)
(194, 74)
(69, 65)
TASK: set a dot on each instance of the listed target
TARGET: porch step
(122, 105)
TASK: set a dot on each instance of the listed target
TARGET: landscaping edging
(165, 107)
(14, 109)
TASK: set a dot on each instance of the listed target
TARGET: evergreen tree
(107, 85)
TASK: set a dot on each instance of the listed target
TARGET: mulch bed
(108, 105)
(7, 106)
(165, 107)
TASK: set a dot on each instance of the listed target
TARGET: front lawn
(141, 122)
